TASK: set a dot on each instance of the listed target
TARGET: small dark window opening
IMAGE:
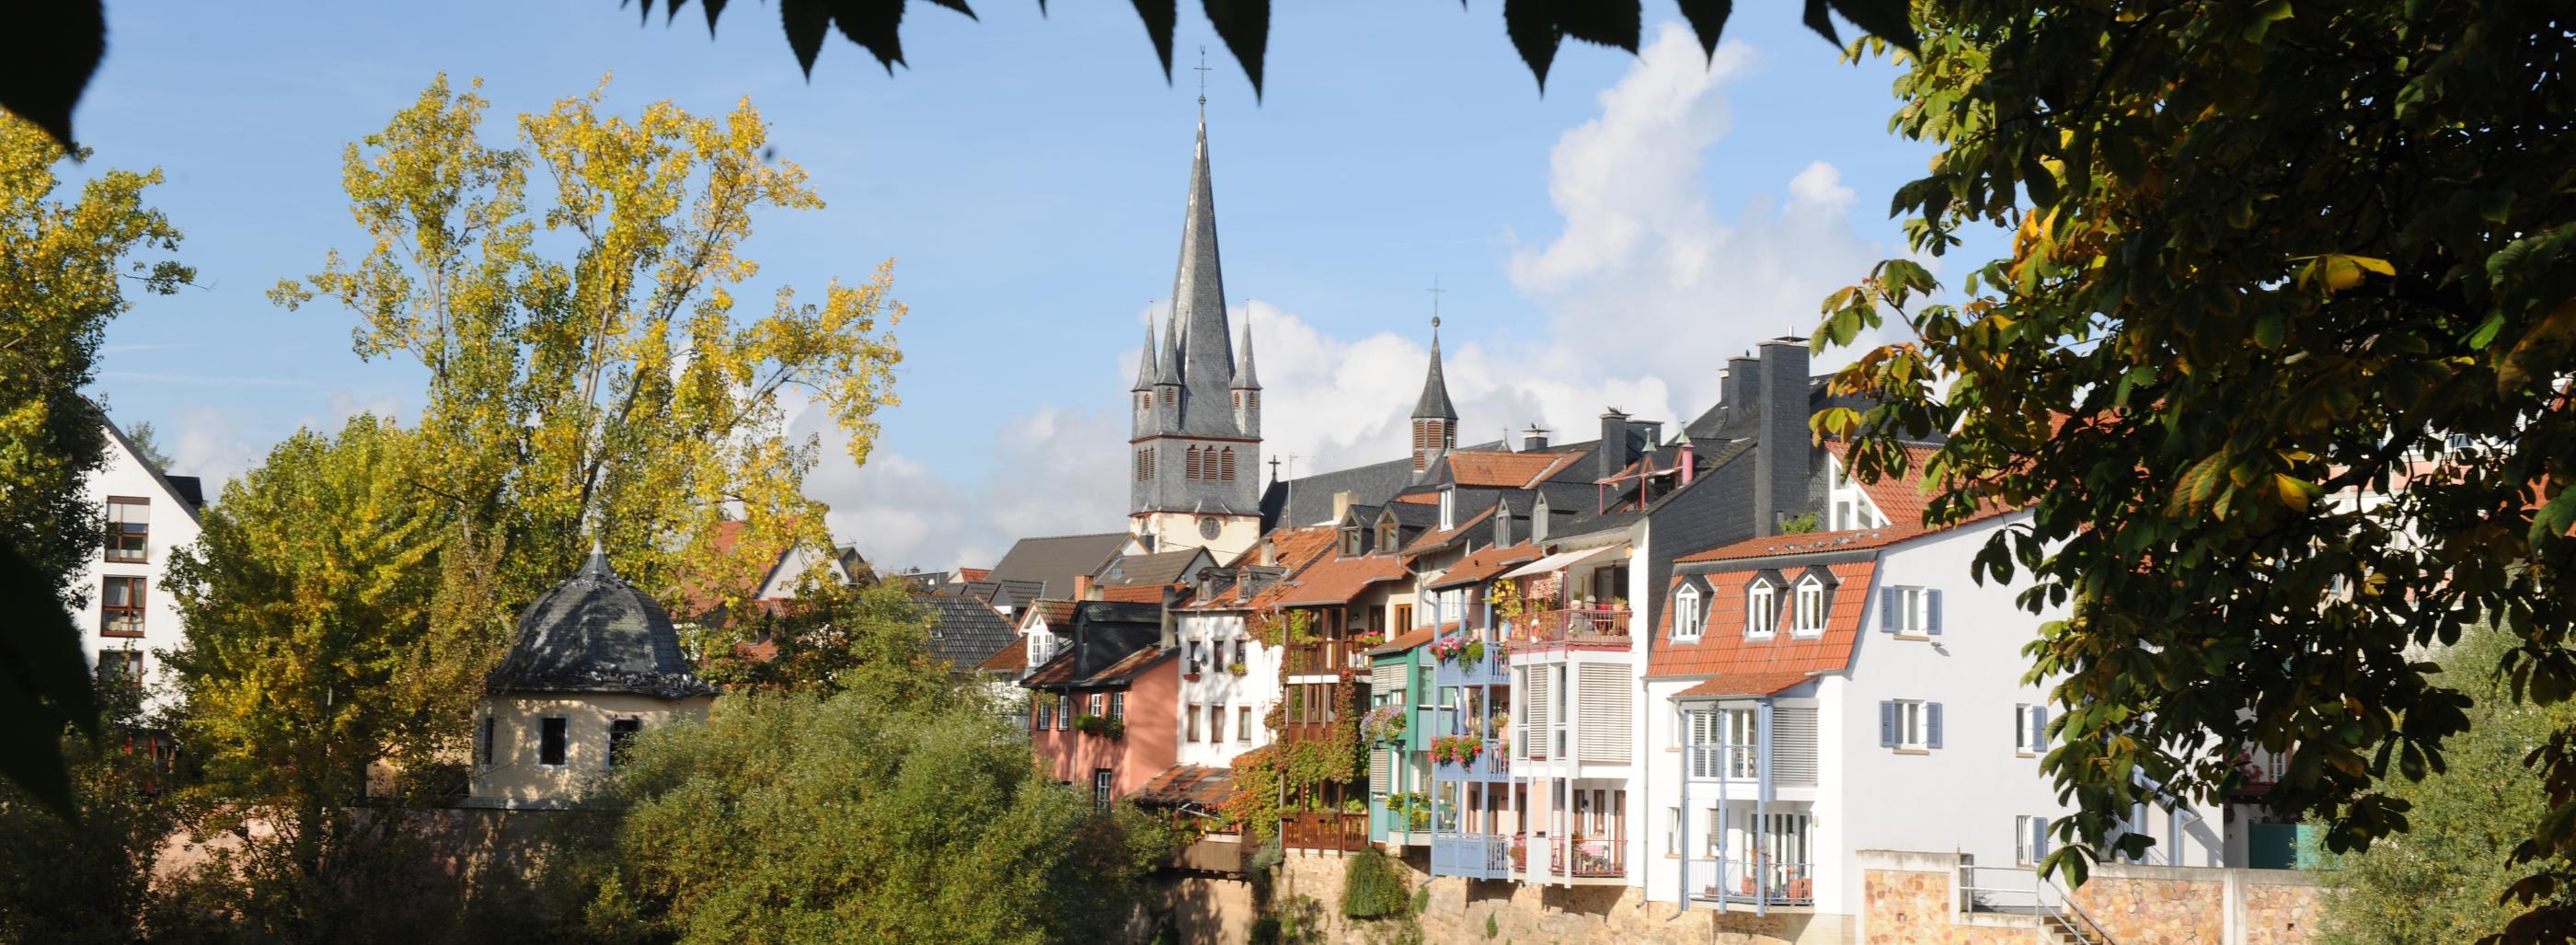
(550, 741)
(621, 731)
(483, 743)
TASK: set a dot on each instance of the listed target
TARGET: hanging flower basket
(1456, 749)
(1384, 725)
(1446, 649)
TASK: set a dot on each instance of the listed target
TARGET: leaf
(1159, 16)
(1245, 27)
(2296, 493)
(874, 25)
(1609, 24)
(2556, 519)
(806, 21)
(44, 683)
(2541, 349)
(48, 51)
(1707, 19)
(1533, 32)
(960, 6)
(1822, 22)
(714, 8)
(1890, 20)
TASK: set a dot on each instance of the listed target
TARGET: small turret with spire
(1435, 419)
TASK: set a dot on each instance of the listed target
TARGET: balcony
(1327, 657)
(1595, 625)
(1753, 882)
(1723, 762)
(1324, 830)
(1213, 853)
(1493, 670)
(1475, 856)
(1305, 731)
(1491, 765)
(1588, 857)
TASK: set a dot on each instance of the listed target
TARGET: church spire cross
(1202, 68)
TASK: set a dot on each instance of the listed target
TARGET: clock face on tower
(1208, 527)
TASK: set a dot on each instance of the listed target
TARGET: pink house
(1102, 710)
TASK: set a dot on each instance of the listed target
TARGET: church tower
(1196, 438)
(1435, 420)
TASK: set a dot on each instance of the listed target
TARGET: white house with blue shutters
(1849, 690)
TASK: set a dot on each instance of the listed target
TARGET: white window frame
(1807, 616)
(1761, 610)
(1913, 725)
(2030, 730)
(1687, 622)
(1738, 729)
(2029, 843)
(1672, 832)
(1912, 622)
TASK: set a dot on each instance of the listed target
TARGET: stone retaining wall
(1460, 910)
(1910, 897)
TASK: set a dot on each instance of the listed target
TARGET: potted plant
(1235, 668)
(1384, 724)
(1368, 639)
(1446, 648)
(1473, 653)
(1190, 672)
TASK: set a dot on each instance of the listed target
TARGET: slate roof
(1109, 642)
(1161, 567)
(1434, 402)
(1308, 500)
(964, 632)
(596, 633)
(1055, 560)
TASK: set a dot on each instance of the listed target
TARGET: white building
(130, 618)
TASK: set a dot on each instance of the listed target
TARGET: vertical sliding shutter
(1703, 734)
(1793, 745)
(1932, 612)
(1603, 700)
(1887, 723)
(1888, 602)
(1381, 772)
(1387, 677)
(1535, 717)
(1931, 725)
(2039, 726)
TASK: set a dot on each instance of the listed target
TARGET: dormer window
(1761, 611)
(1386, 536)
(1807, 618)
(1686, 615)
(1448, 509)
(1351, 543)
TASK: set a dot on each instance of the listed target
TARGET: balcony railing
(1573, 625)
(1731, 762)
(1490, 765)
(1324, 657)
(1305, 731)
(1588, 857)
(1493, 670)
(1754, 881)
(1473, 855)
(1324, 830)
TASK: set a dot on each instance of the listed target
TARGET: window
(1672, 831)
(1386, 536)
(1686, 615)
(120, 601)
(1909, 611)
(1225, 464)
(1909, 724)
(1190, 464)
(2030, 840)
(551, 741)
(1144, 465)
(1351, 543)
(121, 667)
(1118, 705)
(1403, 618)
(1809, 617)
(1045, 713)
(1167, 394)
(621, 731)
(1063, 711)
(129, 523)
(483, 741)
(1101, 779)
(1243, 724)
(1095, 703)
(1743, 738)
(1761, 611)
(1216, 724)
(2030, 728)
(1190, 723)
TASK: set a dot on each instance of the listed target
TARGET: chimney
(1688, 458)
(1082, 589)
(1171, 600)
(1342, 505)
(1534, 439)
(1739, 388)
(1783, 455)
(1614, 452)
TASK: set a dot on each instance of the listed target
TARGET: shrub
(1372, 887)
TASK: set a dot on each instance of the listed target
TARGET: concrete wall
(516, 778)
(1912, 897)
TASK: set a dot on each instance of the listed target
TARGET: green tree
(792, 817)
(147, 444)
(2275, 364)
(87, 880)
(828, 638)
(2436, 885)
(66, 268)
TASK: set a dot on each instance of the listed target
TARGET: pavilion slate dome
(596, 633)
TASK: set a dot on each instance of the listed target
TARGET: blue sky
(1605, 244)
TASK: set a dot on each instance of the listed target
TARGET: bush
(1372, 887)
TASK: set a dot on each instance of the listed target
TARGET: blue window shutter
(2038, 838)
(1887, 723)
(2038, 727)
(1931, 725)
(1932, 612)
(1887, 604)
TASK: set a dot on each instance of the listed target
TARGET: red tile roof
(1861, 539)
(1420, 498)
(1484, 564)
(1010, 659)
(1410, 639)
(1723, 651)
(1138, 593)
(1335, 580)
(1297, 548)
(1483, 470)
(1188, 784)
(1901, 499)
(1055, 612)
(1744, 684)
(972, 575)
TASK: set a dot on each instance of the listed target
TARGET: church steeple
(1435, 420)
(1198, 286)
(1145, 366)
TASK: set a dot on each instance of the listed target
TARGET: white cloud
(210, 446)
(1647, 290)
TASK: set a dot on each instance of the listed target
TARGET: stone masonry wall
(2156, 911)
(1907, 897)
(1915, 906)
(1459, 910)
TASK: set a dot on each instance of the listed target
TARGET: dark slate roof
(188, 489)
(1055, 560)
(596, 633)
(1434, 402)
(1162, 567)
(1110, 642)
(963, 631)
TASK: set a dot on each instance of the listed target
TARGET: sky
(1605, 244)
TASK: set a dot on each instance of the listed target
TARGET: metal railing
(2020, 890)
(1572, 625)
(1588, 857)
(1768, 882)
(1732, 762)
(1490, 765)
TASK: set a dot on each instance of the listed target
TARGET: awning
(1562, 560)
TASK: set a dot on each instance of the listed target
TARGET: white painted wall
(1257, 688)
(173, 525)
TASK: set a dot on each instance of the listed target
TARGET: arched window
(1809, 617)
(1225, 464)
(1386, 535)
(1761, 611)
(1167, 394)
(1686, 619)
(1144, 466)
(1190, 464)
